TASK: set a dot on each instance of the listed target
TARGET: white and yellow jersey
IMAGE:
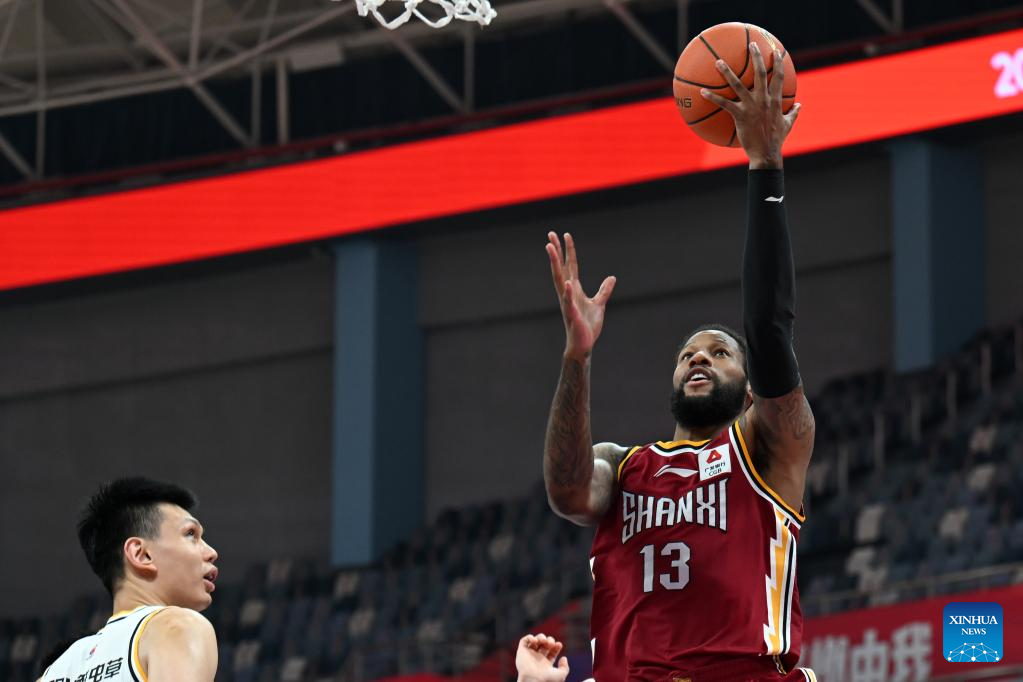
(110, 655)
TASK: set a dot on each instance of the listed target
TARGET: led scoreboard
(842, 105)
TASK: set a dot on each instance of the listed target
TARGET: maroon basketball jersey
(693, 564)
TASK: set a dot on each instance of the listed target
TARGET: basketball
(695, 69)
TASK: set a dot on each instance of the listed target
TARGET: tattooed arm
(782, 434)
(579, 477)
(779, 425)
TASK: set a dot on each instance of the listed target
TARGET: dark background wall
(1004, 204)
(221, 378)
(220, 382)
(494, 334)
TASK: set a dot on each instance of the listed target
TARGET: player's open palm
(583, 315)
(760, 123)
(534, 660)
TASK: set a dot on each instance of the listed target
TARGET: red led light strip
(628, 144)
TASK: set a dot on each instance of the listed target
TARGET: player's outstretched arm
(535, 657)
(779, 425)
(179, 645)
(578, 476)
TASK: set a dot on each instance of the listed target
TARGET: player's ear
(749, 395)
(138, 557)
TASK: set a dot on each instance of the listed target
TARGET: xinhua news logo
(972, 632)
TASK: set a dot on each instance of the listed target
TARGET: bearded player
(144, 544)
(694, 557)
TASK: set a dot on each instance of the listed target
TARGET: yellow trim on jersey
(756, 474)
(135, 644)
(779, 603)
(125, 613)
(675, 443)
(624, 460)
(812, 675)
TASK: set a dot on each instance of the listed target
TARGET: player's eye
(722, 352)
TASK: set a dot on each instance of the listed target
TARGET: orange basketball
(695, 69)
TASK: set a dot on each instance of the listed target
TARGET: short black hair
(739, 339)
(121, 509)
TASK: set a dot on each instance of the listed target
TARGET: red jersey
(694, 564)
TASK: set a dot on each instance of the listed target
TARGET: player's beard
(722, 405)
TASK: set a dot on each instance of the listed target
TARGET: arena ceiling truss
(59, 53)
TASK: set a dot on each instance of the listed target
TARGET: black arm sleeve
(768, 287)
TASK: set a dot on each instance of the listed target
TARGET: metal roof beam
(111, 36)
(16, 159)
(167, 57)
(224, 42)
(9, 27)
(193, 44)
(431, 76)
(71, 92)
(276, 41)
(892, 24)
(640, 33)
(40, 23)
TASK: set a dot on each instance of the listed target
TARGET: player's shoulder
(65, 650)
(610, 451)
(174, 633)
(177, 620)
(615, 455)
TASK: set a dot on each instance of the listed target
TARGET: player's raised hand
(760, 124)
(534, 659)
(583, 316)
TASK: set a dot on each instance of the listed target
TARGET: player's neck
(697, 433)
(132, 595)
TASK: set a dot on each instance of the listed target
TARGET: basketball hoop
(479, 11)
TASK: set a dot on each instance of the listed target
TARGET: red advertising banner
(903, 642)
(842, 105)
(898, 643)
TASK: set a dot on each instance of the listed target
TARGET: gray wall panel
(490, 382)
(1004, 184)
(222, 383)
(838, 212)
(208, 375)
(489, 387)
(185, 324)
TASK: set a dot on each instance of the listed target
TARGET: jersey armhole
(621, 465)
(135, 664)
(759, 482)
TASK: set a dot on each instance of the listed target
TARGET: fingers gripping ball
(696, 69)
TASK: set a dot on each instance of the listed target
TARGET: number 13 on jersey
(678, 577)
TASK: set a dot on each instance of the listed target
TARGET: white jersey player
(144, 544)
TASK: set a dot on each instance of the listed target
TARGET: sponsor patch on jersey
(715, 462)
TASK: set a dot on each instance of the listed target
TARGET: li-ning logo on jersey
(706, 505)
(678, 471)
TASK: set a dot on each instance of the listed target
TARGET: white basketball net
(479, 11)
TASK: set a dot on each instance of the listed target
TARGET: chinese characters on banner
(901, 643)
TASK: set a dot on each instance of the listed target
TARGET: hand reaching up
(534, 659)
(760, 123)
(583, 316)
